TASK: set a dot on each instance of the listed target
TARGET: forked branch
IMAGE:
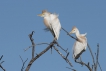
(23, 63)
(38, 55)
(66, 59)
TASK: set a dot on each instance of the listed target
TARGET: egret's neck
(77, 33)
(47, 16)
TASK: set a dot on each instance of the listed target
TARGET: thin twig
(67, 55)
(99, 66)
(23, 63)
(57, 45)
(36, 45)
(96, 64)
(71, 69)
(61, 47)
(42, 43)
(63, 56)
(97, 56)
(27, 48)
(1, 57)
(91, 54)
(2, 68)
(69, 34)
(1, 63)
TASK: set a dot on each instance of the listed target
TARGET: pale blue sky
(19, 17)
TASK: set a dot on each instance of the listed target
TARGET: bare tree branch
(38, 55)
(93, 67)
(58, 52)
(57, 45)
(63, 56)
(33, 44)
(43, 43)
(23, 63)
(2, 68)
(1, 57)
(71, 69)
(1, 63)
(69, 34)
(67, 55)
(91, 55)
(82, 63)
(99, 66)
(61, 47)
(27, 48)
(97, 62)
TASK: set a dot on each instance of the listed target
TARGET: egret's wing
(55, 25)
(78, 49)
(83, 39)
(47, 22)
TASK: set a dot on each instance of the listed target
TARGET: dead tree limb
(61, 47)
(2, 68)
(23, 63)
(1, 63)
(1, 57)
(71, 69)
(38, 55)
(69, 34)
(33, 44)
(63, 56)
(91, 54)
(97, 57)
(87, 65)
(100, 66)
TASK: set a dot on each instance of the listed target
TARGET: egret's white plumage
(80, 45)
(52, 22)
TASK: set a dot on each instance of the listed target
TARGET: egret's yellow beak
(41, 15)
(71, 32)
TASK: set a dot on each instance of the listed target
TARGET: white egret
(80, 45)
(52, 22)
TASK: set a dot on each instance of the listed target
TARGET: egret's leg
(51, 50)
(55, 39)
(80, 58)
(75, 60)
(54, 42)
